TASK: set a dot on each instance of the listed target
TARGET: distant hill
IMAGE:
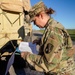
(70, 31)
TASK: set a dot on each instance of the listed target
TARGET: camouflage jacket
(56, 50)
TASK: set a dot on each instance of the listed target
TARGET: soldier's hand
(24, 55)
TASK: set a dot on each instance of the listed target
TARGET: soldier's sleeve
(52, 55)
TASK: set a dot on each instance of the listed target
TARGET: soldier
(56, 49)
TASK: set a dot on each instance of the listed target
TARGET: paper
(28, 47)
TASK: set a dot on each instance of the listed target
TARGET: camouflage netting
(14, 5)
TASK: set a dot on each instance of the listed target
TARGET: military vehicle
(14, 27)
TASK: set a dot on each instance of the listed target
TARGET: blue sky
(64, 11)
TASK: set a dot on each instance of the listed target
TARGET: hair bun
(50, 11)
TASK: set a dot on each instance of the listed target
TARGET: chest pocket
(51, 46)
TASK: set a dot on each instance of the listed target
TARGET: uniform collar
(48, 22)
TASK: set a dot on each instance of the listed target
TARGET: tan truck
(14, 28)
(13, 25)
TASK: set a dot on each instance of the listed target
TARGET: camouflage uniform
(56, 51)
